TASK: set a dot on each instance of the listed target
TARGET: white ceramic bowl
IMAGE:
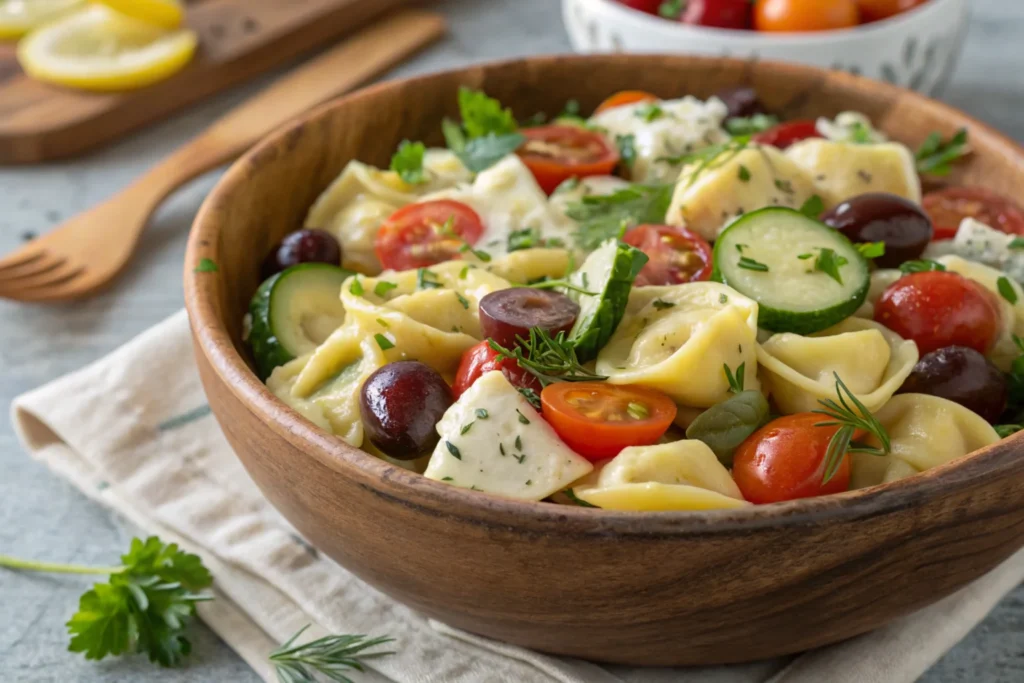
(916, 50)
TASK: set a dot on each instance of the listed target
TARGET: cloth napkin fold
(134, 432)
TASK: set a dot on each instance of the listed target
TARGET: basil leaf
(723, 427)
(479, 154)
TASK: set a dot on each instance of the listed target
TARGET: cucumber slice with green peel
(804, 275)
(293, 312)
(608, 273)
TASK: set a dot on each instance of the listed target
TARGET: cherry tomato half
(478, 360)
(597, 420)
(805, 15)
(938, 309)
(785, 460)
(624, 97)
(416, 236)
(675, 255)
(556, 153)
(647, 6)
(789, 133)
(948, 207)
(734, 14)
(874, 10)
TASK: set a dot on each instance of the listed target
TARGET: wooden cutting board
(239, 39)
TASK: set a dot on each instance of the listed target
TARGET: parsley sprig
(935, 156)
(850, 420)
(144, 607)
(487, 134)
(602, 217)
(330, 656)
(407, 162)
(549, 359)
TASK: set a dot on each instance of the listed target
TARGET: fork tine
(36, 285)
(37, 266)
(27, 254)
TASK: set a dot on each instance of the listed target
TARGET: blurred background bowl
(917, 50)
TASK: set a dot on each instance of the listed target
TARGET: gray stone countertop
(42, 517)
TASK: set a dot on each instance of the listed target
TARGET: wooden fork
(88, 251)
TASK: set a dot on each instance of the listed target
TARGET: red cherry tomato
(789, 133)
(948, 207)
(647, 6)
(874, 10)
(418, 235)
(785, 460)
(805, 15)
(939, 309)
(478, 360)
(675, 255)
(556, 153)
(624, 97)
(734, 14)
(597, 419)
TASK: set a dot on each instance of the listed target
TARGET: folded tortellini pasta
(1011, 315)
(682, 475)
(333, 402)
(880, 281)
(842, 170)
(355, 205)
(529, 265)
(925, 432)
(678, 339)
(799, 371)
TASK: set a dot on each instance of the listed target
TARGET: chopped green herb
(383, 287)
(671, 9)
(464, 272)
(483, 115)
(871, 249)
(758, 123)
(530, 395)
(741, 247)
(829, 262)
(1006, 289)
(453, 449)
(501, 448)
(465, 428)
(936, 157)
(736, 381)
(861, 133)
(519, 458)
(850, 420)
(627, 149)
(571, 495)
(447, 479)
(549, 359)
(383, 323)
(785, 186)
(709, 158)
(661, 305)
(383, 342)
(744, 173)
(356, 287)
(1006, 430)
(602, 217)
(723, 298)
(482, 414)
(813, 207)
(649, 112)
(519, 442)
(529, 482)
(479, 154)
(425, 279)
(206, 266)
(522, 418)
(462, 300)
(804, 257)
(921, 266)
(637, 411)
(407, 162)
(1016, 243)
(751, 264)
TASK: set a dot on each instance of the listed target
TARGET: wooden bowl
(669, 588)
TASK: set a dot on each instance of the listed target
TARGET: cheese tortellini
(842, 170)
(925, 432)
(799, 371)
(681, 475)
(678, 339)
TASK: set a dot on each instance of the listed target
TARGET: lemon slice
(18, 17)
(166, 13)
(99, 49)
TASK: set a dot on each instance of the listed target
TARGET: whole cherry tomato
(624, 97)
(478, 360)
(948, 207)
(874, 10)
(647, 6)
(556, 153)
(675, 255)
(938, 309)
(597, 419)
(420, 235)
(734, 14)
(785, 460)
(805, 15)
(789, 133)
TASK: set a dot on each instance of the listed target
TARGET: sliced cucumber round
(804, 275)
(294, 311)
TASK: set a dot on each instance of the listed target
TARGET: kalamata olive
(963, 376)
(879, 217)
(740, 100)
(303, 246)
(401, 405)
(509, 313)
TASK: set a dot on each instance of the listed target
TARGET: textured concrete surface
(42, 517)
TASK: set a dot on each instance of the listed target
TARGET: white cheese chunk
(508, 448)
(976, 241)
(850, 126)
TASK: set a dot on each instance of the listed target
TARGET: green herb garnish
(744, 174)
(206, 266)
(871, 249)
(453, 449)
(758, 123)
(813, 207)
(736, 381)
(549, 359)
(1006, 289)
(603, 217)
(356, 288)
(426, 279)
(383, 287)
(936, 157)
(670, 9)
(829, 262)
(329, 656)
(661, 305)
(407, 162)
(383, 342)
(751, 264)
(627, 149)
(649, 112)
(849, 421)
(920, 266)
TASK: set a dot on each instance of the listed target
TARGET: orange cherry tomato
(674, 255)
(418, 235)
(805, 15)
(597, 419)
(556, 153)
(624, 97)
(874, 10)
(785, 460)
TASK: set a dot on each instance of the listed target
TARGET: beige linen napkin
(134, 432)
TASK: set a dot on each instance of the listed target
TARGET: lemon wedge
(99, 49)
(18, 17)
(165, 13)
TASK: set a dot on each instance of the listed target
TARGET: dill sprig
(330, 656)
(849, 421)
(549, 359)
(709, 158)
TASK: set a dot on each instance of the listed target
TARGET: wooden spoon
(89, 250)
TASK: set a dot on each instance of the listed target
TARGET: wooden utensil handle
(342, 68)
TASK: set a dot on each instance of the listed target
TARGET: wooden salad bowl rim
(213, 340)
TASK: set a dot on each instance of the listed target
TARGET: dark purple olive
(303, 246)
(401, 405)
(879, 217)
(963, 376)
(740, 100)
(510, 313)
